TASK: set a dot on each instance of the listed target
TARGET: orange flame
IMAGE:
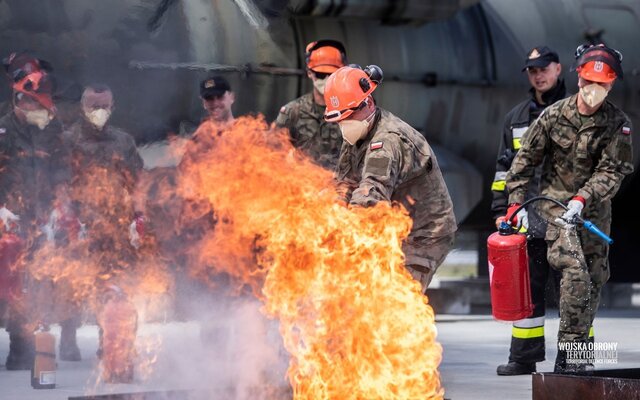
(352, 318)
(77, 269)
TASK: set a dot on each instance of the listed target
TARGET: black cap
(540, 57)
(214, 86)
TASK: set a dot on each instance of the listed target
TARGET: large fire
(250, 207)
(87, 257)
(354, 321)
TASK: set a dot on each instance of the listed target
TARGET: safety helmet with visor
(347, 89)
(598, 63)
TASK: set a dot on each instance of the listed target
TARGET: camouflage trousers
(433, 252)
(582, 260)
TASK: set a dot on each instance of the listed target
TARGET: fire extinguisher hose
(587, 224)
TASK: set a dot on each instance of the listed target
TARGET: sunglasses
(321, 75)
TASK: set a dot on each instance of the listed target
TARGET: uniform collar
(598, 119)
(25, 130)
(558, 92)
(90, 131)
(372, 130)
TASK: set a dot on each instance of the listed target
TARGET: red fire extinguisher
(10, 247)
(509, 275)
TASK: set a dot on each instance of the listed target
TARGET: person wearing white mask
(384, 159)
(94, 141)
(33, 167)
(583, 144)
(303, 116)
(106, 168)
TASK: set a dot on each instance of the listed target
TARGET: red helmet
(347, 89)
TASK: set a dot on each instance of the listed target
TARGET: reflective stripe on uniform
(499, 186)
(527, 333)
(528, 328)
(517, 144)
(529, 322)
(517, 134)
(499, 181)
(591, 332)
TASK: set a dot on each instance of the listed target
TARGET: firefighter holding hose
(584, 146)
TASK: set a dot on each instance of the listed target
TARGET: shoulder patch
(283, 109)
(626, 130)
(3, 131)
(376, 145)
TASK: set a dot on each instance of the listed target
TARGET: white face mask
(319, 84)
(354, 130)
(98, 117)
(593, 94)
(39, 118)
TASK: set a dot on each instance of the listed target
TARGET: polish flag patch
(376, 145)
(283, 109)
(626, 130)
(3, 131)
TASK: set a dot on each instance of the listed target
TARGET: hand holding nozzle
(572, 217)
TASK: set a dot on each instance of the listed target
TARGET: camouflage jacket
(33, 163)
(309, 132)
(110, 148)
(586, 156)
(395, 163)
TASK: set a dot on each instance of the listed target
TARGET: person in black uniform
(543, 69)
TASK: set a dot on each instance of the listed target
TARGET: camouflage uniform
(394, 162)
(527, 339)
(309, 132)
(106, 165)
(580, 155)
(33, 163)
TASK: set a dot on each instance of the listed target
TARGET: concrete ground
(473, 346)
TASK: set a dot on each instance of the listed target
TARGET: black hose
(587, 224)
(533, 200)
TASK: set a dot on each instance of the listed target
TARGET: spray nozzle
(505, 228)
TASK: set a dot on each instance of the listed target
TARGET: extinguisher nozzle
(595, 230)
(505, 228)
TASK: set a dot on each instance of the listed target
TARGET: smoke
(229, 349)
(252, 14)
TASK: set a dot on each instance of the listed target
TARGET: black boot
(69, 350)
(21, 353)
(516, 368)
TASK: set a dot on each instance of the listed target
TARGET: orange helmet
(597, 71)
(325, 56)
(347, 89)
(598, 63)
